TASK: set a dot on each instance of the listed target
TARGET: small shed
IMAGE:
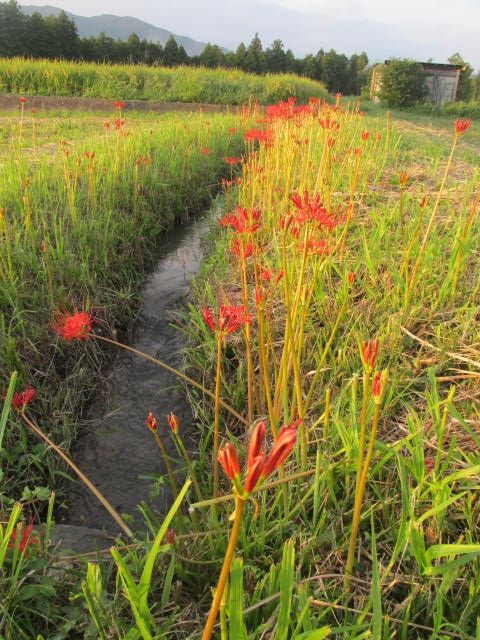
(442, 81)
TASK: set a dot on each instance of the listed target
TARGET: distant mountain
(120, 28)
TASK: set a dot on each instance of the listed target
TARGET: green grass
(136, 82)
(416, 572)
(82, 230)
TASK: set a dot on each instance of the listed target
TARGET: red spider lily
(310, 210)
(235, 247)
(72, 326)
(169, 537)
(350, 277)
(242, 220)
(119, 124)
(22, 100)
(173, 423)
(281, 449)
(204, 151)
(119, 105)
(231, 160)
(256, 443)
(262, 135)
(365, 135)
(317, 247)
(230, 318)
(25, 540)
(227, 457)
(106, 124)
(369, 353)
(254, 472)
(259, 467)
(21, 399)
(461, 126)
(151, 422)
(328, 123)
(376, 385)
(265, 274)
(402, 178)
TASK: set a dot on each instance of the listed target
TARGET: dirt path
(55, 103)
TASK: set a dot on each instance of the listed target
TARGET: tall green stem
(227, 560)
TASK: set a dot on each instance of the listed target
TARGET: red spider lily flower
(310, 210)
(369, 353)
(265, 274)
(208, 318)
(254, 473)
(350, 277)
(119, 105)
(151, 422)
(461, 126)
(173, 422)
(22, 100)
(281, 449)
(230, 318)
(21, 399)
(376, 387)
(231, 160)
(227, 457)
(25, 540)
(33, 111)
(402, 178)
(106, 124)
(73, 326)
(262, 135)
(278, 277)
(204, 151)
(379, 385)
(317, 247)
(119, 124)
(365, 135)
(256, 443)
(169, 537)
(248, 250)
(422, 203)
(328, 123)
(242, 220)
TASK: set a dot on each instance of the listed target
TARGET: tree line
(57, 37)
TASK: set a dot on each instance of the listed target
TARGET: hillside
(119, 27)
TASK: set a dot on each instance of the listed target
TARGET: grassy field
(136, 82)
(340, 299)
(83, 202)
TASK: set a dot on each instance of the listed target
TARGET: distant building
(442, 81)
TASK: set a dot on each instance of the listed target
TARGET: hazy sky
(420, 29)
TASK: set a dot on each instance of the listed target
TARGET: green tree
(254, 56)
(466, 84)
(240, 56)
(402, 83)
(37, 38)
(276, 58)
(335, 72)
(13, 30)
(170, 53)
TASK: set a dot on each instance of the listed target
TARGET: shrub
(402, 83)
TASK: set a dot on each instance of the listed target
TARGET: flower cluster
(21, 399)
(73, 326)
(230, 318)
(259, 465)
(461, 126)
(242, 220)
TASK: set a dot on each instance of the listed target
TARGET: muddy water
(118, 453)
